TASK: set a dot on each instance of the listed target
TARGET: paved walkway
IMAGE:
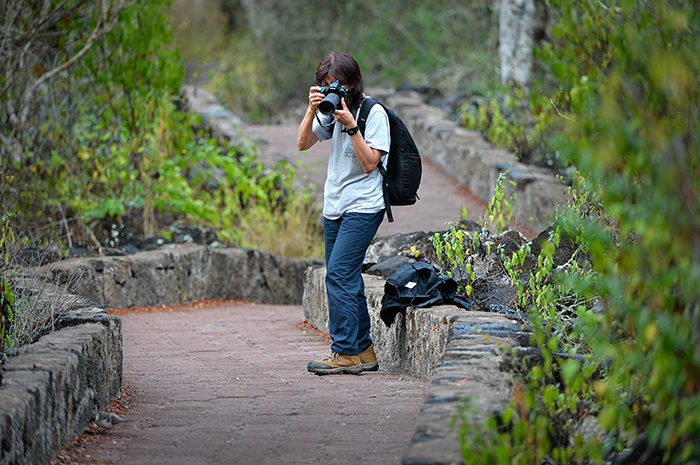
(227, 384)
(441, 197)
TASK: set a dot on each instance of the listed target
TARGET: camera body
(333, 94)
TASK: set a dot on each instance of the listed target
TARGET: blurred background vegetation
(94, 132)
(261, 56)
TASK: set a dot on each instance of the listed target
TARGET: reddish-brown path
(441, 196)
(227, 384)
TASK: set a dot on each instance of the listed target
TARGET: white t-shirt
(348, 188)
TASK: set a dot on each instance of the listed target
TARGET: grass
(294, 232)
(37, 303)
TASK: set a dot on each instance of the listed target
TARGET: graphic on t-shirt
(349, 150)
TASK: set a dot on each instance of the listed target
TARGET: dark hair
(345, 69)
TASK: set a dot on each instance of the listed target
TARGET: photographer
(353, 204)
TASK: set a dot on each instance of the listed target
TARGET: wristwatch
(352, 131)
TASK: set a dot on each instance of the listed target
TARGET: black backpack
(403, 171)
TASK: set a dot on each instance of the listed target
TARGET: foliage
(108, 73)
(568, 68)
(556, 400)
(122, 131)
(7, 301)
(499, 127)
(181, 172)
(292, 232)
(25, 314)
(629, 95)
(7, 297)
(556, 397)
(638, 136)
(40, 42)
(264, 53)
(455, 251)
(117, 142)
(500, 209)
(456, 248)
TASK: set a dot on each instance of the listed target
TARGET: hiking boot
(333, 364)
(369, 360)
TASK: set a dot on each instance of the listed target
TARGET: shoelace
(331, 357)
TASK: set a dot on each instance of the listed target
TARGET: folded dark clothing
(418, 285)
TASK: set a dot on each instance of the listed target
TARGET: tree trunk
(521, 21)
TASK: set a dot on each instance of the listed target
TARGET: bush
(116, 142)
(638, 136)
(632, 99)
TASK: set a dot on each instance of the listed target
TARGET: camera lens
(329, 104)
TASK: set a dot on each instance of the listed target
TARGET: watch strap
(352, 131)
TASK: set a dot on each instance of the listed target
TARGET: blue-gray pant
(347, 240)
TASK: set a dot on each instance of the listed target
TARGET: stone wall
(53, 388)
(460, 352)
(185, 273)
(475, 163)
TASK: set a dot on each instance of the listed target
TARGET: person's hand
(315, 97)
(344, 116)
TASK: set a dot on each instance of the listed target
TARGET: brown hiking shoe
(333, 364)
(369, 360)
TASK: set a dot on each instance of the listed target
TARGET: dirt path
(226, 383)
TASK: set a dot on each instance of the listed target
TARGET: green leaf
(570, 370)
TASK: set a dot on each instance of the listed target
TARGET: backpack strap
(385, 187)
(367, 105)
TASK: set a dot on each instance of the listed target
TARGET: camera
(333, 94)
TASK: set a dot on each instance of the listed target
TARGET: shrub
(638, 137)
(632, 369)
(118, 142)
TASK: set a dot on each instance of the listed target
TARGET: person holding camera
(353, 204)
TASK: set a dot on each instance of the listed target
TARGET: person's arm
(367, 156)
(307, 138)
